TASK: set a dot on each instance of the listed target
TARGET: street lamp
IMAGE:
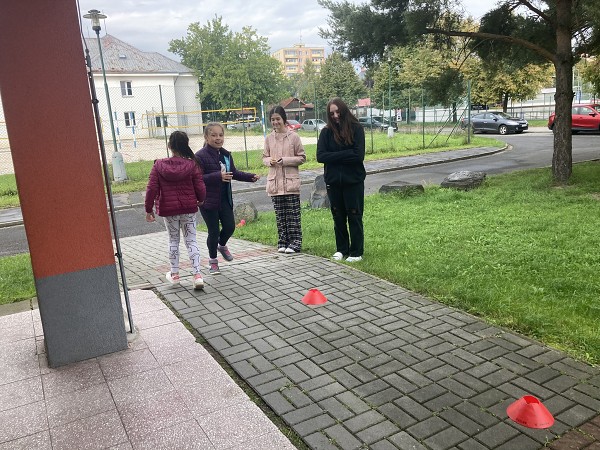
(119, 173)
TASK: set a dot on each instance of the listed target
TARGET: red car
(583, 118)
(293, 125)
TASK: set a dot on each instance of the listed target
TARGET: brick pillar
(49, 118)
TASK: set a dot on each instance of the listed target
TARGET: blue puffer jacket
(209, 158)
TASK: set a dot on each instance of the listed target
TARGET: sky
(150, 25)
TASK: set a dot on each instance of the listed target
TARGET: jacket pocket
(272, 184)
(292, 185)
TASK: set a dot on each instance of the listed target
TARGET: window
(126, 90)
(129, 118)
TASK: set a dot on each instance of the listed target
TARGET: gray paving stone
(359, 372)
(342, 437)
(363, 421)
(346, 379)
(272, 386)
(326, 391)
(244, 369)
(461, 422)
(265, 377)
(303, 414)
(354, 403)
(317, 382)
(470, 381)
(446, 400)
(477, 414)
(446, 439)
(371, 388)
(353, 353)
(428, 427)
(405, 441)
(383, 445)
(318, 441)
(336, 409)
(378, 432)
(261, 364)
(472, 444)
(314, 424)
(294, 373)
(521, 443)
(576, 415)
(496, 435)
(278, 403)
(327, 357)
(397, 415)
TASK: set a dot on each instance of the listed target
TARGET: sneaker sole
(198, 287)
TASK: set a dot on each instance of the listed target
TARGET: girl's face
(277, 123)
(334, 113)
(215, 137)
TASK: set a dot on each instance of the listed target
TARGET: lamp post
(243, 57)
(119, 173)
(390, 89)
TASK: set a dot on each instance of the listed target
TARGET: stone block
(403, 188)
(464, 180)
(245, 211)
(318, 194)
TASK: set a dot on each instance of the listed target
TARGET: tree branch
(532, 8)
(497, 37)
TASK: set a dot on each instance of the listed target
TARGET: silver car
(312, 124)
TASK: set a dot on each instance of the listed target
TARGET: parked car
(495, 122)
(250, 122)
(312, 124)
(386, 121)
(583, 118)
(293, 125)
(369, 122)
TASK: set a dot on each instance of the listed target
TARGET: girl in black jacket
(341, 148)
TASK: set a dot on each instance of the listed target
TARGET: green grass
(518, 252)
(383, 147)
(16, 279)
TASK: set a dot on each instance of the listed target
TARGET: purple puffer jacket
(208, 157)
(175, 187)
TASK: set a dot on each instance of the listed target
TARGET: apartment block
(294, 58)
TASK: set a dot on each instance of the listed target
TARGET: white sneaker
(290, 250)
(198, 282)
(281, 250)
(337, 256)
(173, 279)
(353, 258)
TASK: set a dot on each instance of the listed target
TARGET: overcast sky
(149, 25)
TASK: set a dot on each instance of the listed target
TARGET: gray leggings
(187, 224)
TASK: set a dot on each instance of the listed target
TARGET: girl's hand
(255, 178)
(226, 177)
(150, 217)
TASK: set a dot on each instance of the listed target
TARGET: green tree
(338, 79)
(556, 31)
(231, 67)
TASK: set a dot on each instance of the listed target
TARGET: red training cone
(314, 297)
(530, 412)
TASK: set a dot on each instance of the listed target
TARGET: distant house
(147, 90)
(298, 110)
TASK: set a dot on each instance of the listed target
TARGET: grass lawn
(518, 252)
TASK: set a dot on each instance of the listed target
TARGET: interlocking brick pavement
(377, 366)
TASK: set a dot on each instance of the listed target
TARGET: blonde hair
(210, 125)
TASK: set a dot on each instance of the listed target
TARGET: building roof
(120, 57)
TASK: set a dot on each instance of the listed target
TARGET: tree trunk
(562, 159)
(505, 102)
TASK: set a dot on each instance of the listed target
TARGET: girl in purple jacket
(218, 168)
(177, 189)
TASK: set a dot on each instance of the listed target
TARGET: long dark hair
(179, 143)
(278, 110)
(344, 132)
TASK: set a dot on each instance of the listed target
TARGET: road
(527, 151)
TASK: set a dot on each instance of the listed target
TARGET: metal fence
(143, 119)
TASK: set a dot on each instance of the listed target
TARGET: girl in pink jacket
(176, 189)
(283, 154)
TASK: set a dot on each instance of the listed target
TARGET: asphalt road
(527, 151)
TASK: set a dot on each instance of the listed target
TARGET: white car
(251, 122)
(312, 124)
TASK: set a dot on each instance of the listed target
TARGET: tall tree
(557, 31)
(233, 68)
(338, 79)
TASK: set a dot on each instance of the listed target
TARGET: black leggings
(212, 217)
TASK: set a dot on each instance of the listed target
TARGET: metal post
(469, 111)
(243, 124)
(162, 119)
(109, 195)
(390, 90)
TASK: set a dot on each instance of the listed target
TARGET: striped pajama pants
(289, 227)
